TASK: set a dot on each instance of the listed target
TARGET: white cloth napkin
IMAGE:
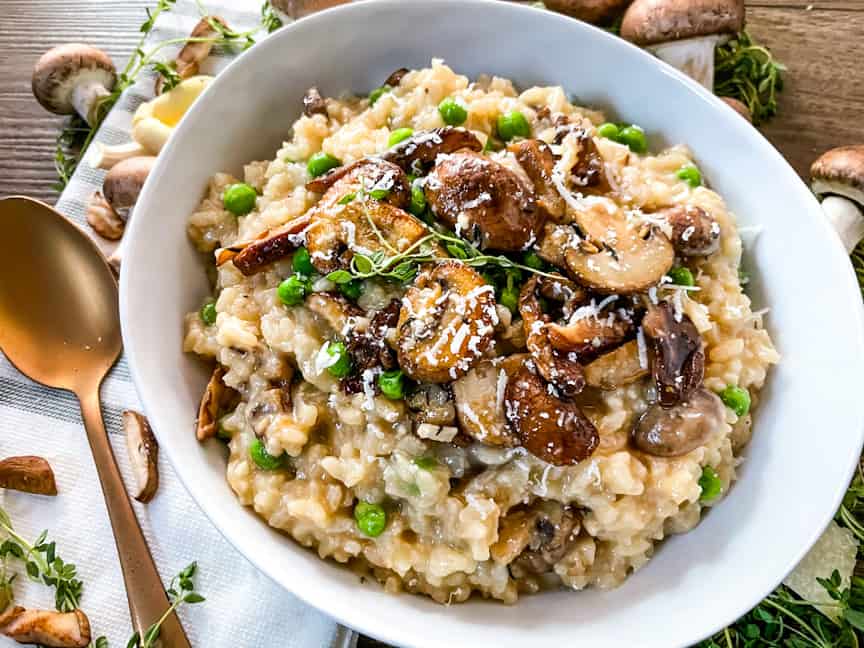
(243, 608)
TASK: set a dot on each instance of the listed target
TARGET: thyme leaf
(747, 71)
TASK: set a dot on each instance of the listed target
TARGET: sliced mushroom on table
(28, 474)
(838, 179)
(678, 359)
(673, 431)
(422, 148)
(446, 323)
(47, 628)
(483, 201)
(143, 454)
(103, 219)
(194, 52)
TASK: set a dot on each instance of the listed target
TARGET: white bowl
(808, 430)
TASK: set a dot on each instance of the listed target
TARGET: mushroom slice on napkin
(46, 627)
(28, 475)
(143, 454)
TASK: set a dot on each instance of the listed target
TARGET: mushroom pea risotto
(469, 339)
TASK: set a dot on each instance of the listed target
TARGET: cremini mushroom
(422, 148)
(838, 178)
(538, 161)
(143, 454)
(739, 107)
(366, 174)
(479, 398)
(617, 368)
(548, 426)
(103, 219)
(152, 124)
(28, 474)
(678, 360)
(694, 231)
(684, 33)
(196, 50)
(484, 201)
(123, 183)
(617, 255)
(73, 78)
(47, 628)
(597, 12)
(671, 432)
(217, 396)
(446, 322)
(272, 246)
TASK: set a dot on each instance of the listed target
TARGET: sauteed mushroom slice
(558, 367)
(592, 328)
(678, 360)
(671, 432)
(274, 246)
(483, 201)
(217, 396)
(618, 256)
(421, 149)
(694, 231)
(337, 232)
(537, 159)
(47, 628)
(395, 77)
(554, 241)
(549, 427)
(617, 368)
(314, 103)
(335, 310)
(588, 173)
(479, 397)
(446, 322)
(367, 174)
(554, 529)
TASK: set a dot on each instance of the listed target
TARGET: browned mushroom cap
(46, 627)
(273, 246)
(694, 231)
(143, 454)
(559, 368)
(553, 531)
(484, 201)
(217, 397)
(123, 183)
(365, 173)
(73, 78)
(446, 322)
(550, 428)
(28, 474)
(649, 22)
(194, 52)
(103, 219)
(678, 361)
(536, 157)
(739, 107)
(618, 256)
(670, 432)
(479, 397)
(421, 149)
(554, 241)
(314, 103)
(592, 11)
(840, 172)
(589, 171)
(592, 328)
(396, 76)
(617, 368)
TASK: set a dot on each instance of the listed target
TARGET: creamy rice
(445, 532)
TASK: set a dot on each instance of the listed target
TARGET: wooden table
(819, 40)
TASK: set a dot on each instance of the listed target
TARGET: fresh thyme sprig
(747, 71)
(269, 20)
(42, 564)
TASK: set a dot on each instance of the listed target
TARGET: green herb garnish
(747, 71)
(269, 20)
(181, 590)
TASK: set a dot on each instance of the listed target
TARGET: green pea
(208, 313)
(418, 199)
(371, 518)
(609, 131)
(533, 260)
(452, 112)
(239, 199)
(392, 384)
(509, 298)
(263, 459)
(710, 484)
(302, 262)
(320, 163)
(341, 367)
(376, 94)
(352, 289)
(293, 290)
(398, 135)
(690, 174)
(633, 137)
(513, 124)
(425, 462)
(681, 276)
(737, 399)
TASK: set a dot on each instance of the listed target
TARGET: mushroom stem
(846, 218)
(105, 157)
(693, 56)
(86, 97)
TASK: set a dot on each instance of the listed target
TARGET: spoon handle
(144, 589)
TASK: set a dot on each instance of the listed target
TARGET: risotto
(470, 339)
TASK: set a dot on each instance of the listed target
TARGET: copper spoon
(59, 325)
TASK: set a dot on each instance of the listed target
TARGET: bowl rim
(345, 613)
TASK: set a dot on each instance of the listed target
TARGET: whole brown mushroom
(597, 12)
(838, 178)
(684, 33)
(123, 183)
(73, 78)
